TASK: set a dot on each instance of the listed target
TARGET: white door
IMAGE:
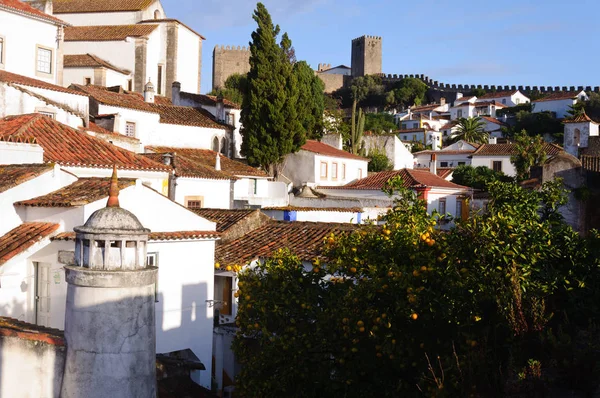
(42, 298)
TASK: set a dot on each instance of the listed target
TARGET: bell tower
(109, 321)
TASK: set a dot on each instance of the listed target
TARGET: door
(42, 294)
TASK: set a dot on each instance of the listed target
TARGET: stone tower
(366, 56)
(109, 320)
(228, 60)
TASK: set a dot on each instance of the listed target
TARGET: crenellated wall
(228, 60)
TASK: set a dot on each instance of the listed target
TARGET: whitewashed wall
(355, 169)
(20, 153)
(560, 107)
(113, 18)
(157, 180)
(183, 136)
(118, 53)
(396, 152)
(188, 60)
(268, 193)
(487, 161)
(216, 194)
(146, 123)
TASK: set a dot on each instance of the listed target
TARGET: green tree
(271, 126)
(233, 89)
(379, 123)
(311, 104)
(539, 123)
(379, 160)
(471, 130)
(477, 177)
(529, 152)
(408, 92)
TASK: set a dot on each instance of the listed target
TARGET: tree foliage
(311, 102)
(233, 89)
(530, 152)
(471, 130)
(408, 92)
(271, 125)
(379, 122)
(379, 160)
(477, 177)
(492, 307)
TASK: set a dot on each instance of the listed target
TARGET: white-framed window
(44, 60)
(459, 113)
(2, 52)
(343, 171)
(194, 202)
(87, 81)
(497, 165)
(323, 169)
(152, 261)
(442, 206)
(458, 213)
(130, 129)
(334, 171)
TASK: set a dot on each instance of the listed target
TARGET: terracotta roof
(582, 118)
(497, 94)
(590, 163)
(79, 193)
(305, 239)
(24, 8)
(188, 116)
(493, 120)
(488, 103)
(159, 236)
(47, 100)
(83, 6)
(208, 100)
(449, 125)
(417, 130)
(107, 32)
(186, 167)
(510, 149)
(328, 150)
(424, 108)
(12, 175)
(465, 99)
(225, 219)
(176, 21)
(411, 178)
(197, 162)
(562, 95)
(7, 77)
(333, 209)
(443, 172)
(21, 238)
(93, 127)
(90, 61)
(446, 152)
(10, 327)
(69, 147)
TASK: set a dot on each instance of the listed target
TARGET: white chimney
(149, 92)
(218, 162)
(433, 164)
(492, 140)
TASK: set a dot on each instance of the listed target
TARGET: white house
(477, 108)
(21, 95)
(317, 163)
(493, 126)
(389, 144)
(31, 41)
(457, 154)
(91, 69)
(497, 156)
(578, 131)
(507, 98)
(83, 13)
(422, 135)
(352, 215)
(559, 103)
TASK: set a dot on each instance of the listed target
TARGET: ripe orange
(414, 316)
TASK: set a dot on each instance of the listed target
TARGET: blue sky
(508, 42)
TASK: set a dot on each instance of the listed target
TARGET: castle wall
(366, 56)
(332, 82)
(228, 60)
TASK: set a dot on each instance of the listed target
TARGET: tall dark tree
(311, 102)
(271, 128)
(530, 151)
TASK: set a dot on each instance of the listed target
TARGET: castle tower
(228, 60)
(366, 56)
(109, 318)
(578, 131)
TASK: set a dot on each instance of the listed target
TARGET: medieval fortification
(366, 59)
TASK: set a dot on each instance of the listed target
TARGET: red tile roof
(305, 239)
(10, 327)
(84, 6)
(69, 147)
(562, 95)
(208, 100)
(159, 236)
(443, 172)
(225, 219)
(411, 178)
(582, 118)
(493, 120)
(446, 152)
(416, 130)
(90, 61)
(192, 162)
(497, 94)
(24, 8)
(21, 238)
(176, 21)
(328, 150)
(79, 193)
(464, 99)
(93, 127)
(510, 149)
(12, 175)
(107, 32)
(8, 77)
(332, 209)
(186, 167)
(488, 103)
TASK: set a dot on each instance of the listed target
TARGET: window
(577, 137)
(194, 202)
(459, 113)
(458, 213)
(405, 139)
(130, 129)
(152, 261)
(44, 60)
(87, 81)
(497, 165)
(415, 125)
(443, 164)
(343, 171)
(461, 163)
(334, 171)
(159, 79)
(156, 14)
(2, 41)
(323, 169)
(130, 85)
(215, 144)
(442, 206)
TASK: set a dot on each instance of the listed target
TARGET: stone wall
(332, 82)
(228, 60)
(366, 56)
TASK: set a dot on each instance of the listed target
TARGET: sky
(507, 42)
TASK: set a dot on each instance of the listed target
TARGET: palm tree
(471, 130)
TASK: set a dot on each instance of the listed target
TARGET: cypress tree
(311, 102)
(271, 128)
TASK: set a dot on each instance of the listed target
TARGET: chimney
(459, 95)
(218, 162)
(175, 93)
(220, 112)
(433, 164)
(167, 158)
(149, 92)
(492, 140)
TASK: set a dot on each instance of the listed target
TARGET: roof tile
(511, 149)
(83, 6)
(8, 77)
(90, 61)
(12, 175)
(557, 96)
(160, 236)
(107, 32)
(411, 178)
(328, 150)
(225, 219)
(24, 236)
(10, 327)
(22, 7)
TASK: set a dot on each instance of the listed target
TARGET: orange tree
(406, 309)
